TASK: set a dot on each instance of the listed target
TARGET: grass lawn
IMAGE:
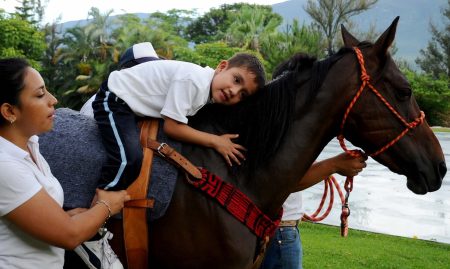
(441, 129)
(323, 247)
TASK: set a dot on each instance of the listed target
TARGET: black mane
(264, 118)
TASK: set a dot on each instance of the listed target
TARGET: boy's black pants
(117, 124)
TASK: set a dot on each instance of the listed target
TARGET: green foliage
(30, 10)
(252, 26)
(157, 29)
(175, 20)
(213, 25)
(435, 58)
(19, 38)
(323, 247)
(292, 39)
(210, 54)
(432, 95)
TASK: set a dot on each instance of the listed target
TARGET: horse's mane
(262, 120)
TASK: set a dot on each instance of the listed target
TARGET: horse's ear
(349, 40)
(385, 40)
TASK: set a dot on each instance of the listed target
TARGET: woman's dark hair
(12, 73)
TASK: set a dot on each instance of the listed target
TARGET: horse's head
(393, 130)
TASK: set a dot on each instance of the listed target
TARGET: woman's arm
(343, 164)
(43, 218)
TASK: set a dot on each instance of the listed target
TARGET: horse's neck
(308, 135)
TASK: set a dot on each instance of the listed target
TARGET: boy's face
(231, 85)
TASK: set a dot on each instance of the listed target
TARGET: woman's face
(35, 112)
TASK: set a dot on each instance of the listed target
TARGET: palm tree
(251, 26)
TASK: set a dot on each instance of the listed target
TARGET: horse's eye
(403, 94)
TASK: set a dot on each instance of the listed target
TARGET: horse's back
(75, 153)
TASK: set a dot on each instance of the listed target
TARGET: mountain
(413, 31)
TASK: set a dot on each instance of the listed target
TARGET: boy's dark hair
(252, 64)
(12, 74)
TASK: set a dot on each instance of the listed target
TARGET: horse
(284, 128)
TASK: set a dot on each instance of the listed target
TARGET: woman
(34, 229)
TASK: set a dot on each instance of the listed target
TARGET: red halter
(366, 82)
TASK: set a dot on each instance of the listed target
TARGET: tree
(213, 25)
(251, 26)
(175, 20)
(291, 39)
(19, 38)
(100, 23)
(432, 95)
(328, 15)
(435, 59)
(31, 10)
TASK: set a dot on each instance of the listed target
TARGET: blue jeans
(285, 250)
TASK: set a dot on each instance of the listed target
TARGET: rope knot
(365, 77)
(417, 121)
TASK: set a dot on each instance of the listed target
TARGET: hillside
(412, 31)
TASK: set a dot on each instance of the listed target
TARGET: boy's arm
(222, 144)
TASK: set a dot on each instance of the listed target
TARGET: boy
(171, 90)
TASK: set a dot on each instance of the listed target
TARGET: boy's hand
(229, 150)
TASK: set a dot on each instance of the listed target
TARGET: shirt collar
(10, 148)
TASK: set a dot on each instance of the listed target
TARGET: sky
(71, 10)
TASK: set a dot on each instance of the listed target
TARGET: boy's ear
(222, 65)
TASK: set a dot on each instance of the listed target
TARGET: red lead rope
(348, 186)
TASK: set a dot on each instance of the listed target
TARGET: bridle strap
(365, 78)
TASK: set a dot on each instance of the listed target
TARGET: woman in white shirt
(34, 229)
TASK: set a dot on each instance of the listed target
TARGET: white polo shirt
(168, 88)
(21, 179)
(292, 207)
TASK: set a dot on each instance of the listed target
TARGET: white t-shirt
(87, 109)
(21, 179)
(163, 88)
(292, 207)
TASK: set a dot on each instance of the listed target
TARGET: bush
(432, 95)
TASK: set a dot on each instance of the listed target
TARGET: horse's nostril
(442, 169)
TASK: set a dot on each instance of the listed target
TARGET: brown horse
(284, 127)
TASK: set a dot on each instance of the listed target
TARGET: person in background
(285, 248)
(34, 229)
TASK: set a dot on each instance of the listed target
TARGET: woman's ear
(7, 112)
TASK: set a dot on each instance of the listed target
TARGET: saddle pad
(75, 153)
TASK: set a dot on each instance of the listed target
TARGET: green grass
(323, 247)
(441, 129)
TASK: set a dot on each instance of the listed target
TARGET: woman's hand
(347, 165)
(230, 151)
(114, 199)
